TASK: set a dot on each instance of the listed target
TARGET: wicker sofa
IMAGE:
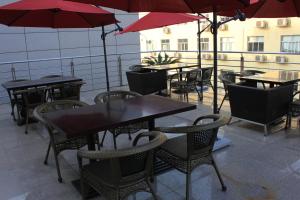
(147, 82)
(258, 105)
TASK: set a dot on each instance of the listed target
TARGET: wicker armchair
(129, 129)
(188, 84)
(294, 109)
(226, 78)
(66, 91)
(185, 153)
(14, 100)
(118, 173)
(58, 141)
(205, 79)
(31, 98)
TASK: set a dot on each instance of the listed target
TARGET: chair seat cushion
(177, 146)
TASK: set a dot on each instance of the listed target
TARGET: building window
(226, 43)
(149, 45)
(290, 44)
(165, 45)
(256, 43)
(183, 45)
(204, 44)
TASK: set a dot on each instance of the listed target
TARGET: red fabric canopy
(271, 9)
(179, 6)
(54, 14)
(157, 20)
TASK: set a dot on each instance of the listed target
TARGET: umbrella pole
(215, 36)
(105, 59)
(199, 43)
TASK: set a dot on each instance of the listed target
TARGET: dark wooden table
(274, 78)
(11, 86)
(92, 119)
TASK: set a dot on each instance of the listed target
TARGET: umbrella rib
(18, 17)
(189, 6)
(83, 17)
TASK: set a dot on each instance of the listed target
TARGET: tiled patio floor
(254, 167)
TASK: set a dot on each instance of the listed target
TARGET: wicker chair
(185, 153)
(14, 100)
(205, 79)
(294, 109)
(118, 173)
(66, 91)
(58, 141)
(188, 84)
(119, 95)
(31, 98)
(226, 78)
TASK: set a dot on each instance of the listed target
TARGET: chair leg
(102, 141)
(288, 121)
(27, 121)
(187, 186)
(222, 103)
(115, 142)
(47, 154)
(57, 166)
(84, 189)
(266, 130)
(218, 174)
(152, 190)
(129, 136)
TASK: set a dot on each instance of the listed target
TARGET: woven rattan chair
(226, 79)
(118, 173)
(31, 98)
(105, 97)
(205, 79)
(58, 141)
(185, 153)
(14, 100)
(187, 84)
(66, 91)
(294, 109)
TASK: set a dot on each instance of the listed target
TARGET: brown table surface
(96, 118)
(170, 66)
(275, 77)
(39, 82)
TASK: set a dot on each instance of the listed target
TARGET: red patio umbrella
(57, 14)
(182, 6)
(157, 20)
(271, 9)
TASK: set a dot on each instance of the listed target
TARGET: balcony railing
(91, 67)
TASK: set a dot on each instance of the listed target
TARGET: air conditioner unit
(206, 56)
(167, 30)
(283, 22)
(222, 57)
(223, 27)
(178, 55)
(281, 59)
(260, 58)
(261, 24)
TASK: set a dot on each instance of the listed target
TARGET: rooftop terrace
(254, 167)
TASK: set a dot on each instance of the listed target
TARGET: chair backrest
(32, 97)
(201, 136)
(206, 73)
(136, 68)
(131, 164)
(193, 76)
(115, 95)
(40, 110)
(226, 79)
(67, 91)
(251, 72)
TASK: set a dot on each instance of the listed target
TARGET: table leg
(180, 74)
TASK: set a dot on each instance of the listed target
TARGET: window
(149, 45)
(256, 43)
(226, 43)
(165, 45)
(183, 44)
(290, 44)
(204, 44)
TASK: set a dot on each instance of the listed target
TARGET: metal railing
(91, 67)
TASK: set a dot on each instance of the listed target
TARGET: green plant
(160, 60)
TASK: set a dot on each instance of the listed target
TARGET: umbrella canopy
(270, 9)
(54, 14)
(175, 6)
(157, 20)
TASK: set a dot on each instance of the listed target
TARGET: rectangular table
(11, 86)
(274, 78)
